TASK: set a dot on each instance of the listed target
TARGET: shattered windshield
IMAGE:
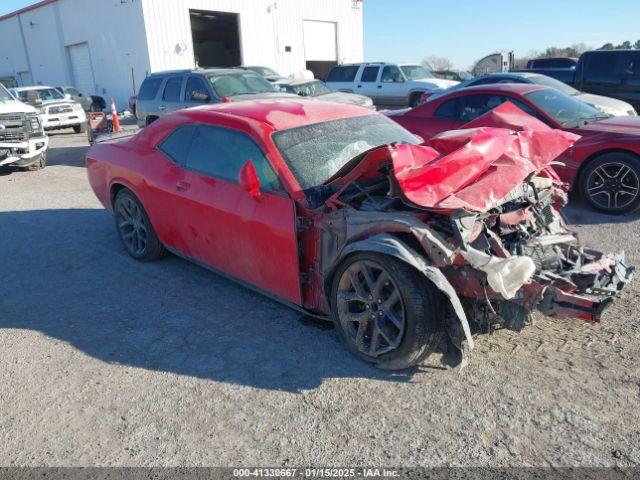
(568, 111)
(314, 153)
(4, 94)
(246, 83)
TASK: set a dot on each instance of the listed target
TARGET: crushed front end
(477, 211)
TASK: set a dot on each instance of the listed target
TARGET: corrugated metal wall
(155, 35)
(266, 27)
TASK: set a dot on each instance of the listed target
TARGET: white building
(107, 47)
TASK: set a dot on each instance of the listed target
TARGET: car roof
(285, 114)
(520, 88)
(197, 70)
(35, 87)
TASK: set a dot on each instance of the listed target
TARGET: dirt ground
(106, 361)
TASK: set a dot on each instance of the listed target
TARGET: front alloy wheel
(370, 308)
(612, 183)
(386, 311)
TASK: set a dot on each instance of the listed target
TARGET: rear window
(343, 74)
(600, 66)
(553, 63)
(149, 88)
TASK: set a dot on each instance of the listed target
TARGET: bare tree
(437, 63)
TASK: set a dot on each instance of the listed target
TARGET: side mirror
(198, 96)
(248, 179)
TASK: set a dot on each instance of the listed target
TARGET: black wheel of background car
(82, 128)
(385, 311)
(611, 183)
(414, 100)
(150, 120)
(40, 164)
(135, 230)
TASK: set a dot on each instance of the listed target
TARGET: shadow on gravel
(71, 280)
(578, 212)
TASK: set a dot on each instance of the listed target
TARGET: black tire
(611, 183)
(82, 128)
(421, 309)
(414, 100)
(150, 120)
(145, 247)
(40, 164)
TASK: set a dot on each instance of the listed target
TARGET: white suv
(55, 110)
(387, 84)
(23, 142)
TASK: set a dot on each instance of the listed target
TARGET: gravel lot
(106, 361)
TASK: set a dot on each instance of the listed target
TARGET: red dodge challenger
(341, 213)
(604, 165)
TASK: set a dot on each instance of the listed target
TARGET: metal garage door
(320, 46)
(81, 68)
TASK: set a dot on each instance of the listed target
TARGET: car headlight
(77, 107)
(41, 110)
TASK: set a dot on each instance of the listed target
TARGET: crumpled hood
(474, 168)
(477, 167)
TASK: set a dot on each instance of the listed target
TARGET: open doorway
(216, 38)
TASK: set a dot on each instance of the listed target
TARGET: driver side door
(218, 223)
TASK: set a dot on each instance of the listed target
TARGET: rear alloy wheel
(135, 230)
(611, 184)
(385, 311)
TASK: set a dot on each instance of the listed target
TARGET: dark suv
(166, 92)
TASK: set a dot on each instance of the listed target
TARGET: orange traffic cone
(114, 117)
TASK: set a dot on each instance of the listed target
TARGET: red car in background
(604, 165)
(339, 212)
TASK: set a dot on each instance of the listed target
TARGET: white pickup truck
(387, 84)
(23, 142)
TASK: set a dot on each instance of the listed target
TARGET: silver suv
(166, 92)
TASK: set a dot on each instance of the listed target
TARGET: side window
(221, 153)
(473, 106)
(343, 74)
(172, 89)
(447, 111)
(391, 74)
(600, 67)
(176, 145)
(195, 84)
(149, 88)
(370, 74)
(631, 65)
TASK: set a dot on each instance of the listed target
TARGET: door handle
(183, 186)
(359, 86)
(162, 107)
(379, 86)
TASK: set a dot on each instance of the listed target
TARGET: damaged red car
(343, 214)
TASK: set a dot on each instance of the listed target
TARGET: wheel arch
(575, 184)
(390, 245)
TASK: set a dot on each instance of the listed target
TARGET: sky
(467, 30)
